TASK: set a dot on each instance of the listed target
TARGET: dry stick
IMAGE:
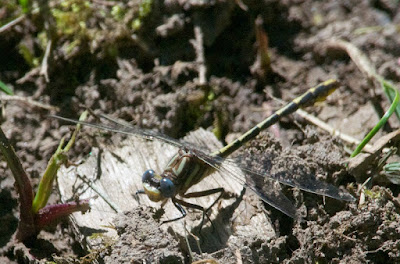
(28, 101)
(45, 65)
(324, 126)
(102, 194)
(334, 132)
(238, 256)
(361, 61)
(242, 5)
(200, 59)
(12, 23)
(106, 3)
(22, 17)
(363, 64)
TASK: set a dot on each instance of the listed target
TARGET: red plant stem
(52, 213)
(26, 226)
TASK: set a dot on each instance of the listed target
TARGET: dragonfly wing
(268, 190)
(294, 172)
(124, 128)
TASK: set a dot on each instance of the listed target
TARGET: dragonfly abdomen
(315, 94)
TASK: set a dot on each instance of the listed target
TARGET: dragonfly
(192, 164)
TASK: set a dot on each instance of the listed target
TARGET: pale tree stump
(117, 173)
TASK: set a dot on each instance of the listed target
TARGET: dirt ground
(175, 66)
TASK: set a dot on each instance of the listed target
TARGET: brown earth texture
(176, 66)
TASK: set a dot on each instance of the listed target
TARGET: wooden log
(113, 173)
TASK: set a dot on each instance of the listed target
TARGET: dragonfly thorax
(183, 170)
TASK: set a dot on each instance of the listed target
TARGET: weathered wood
(119, 177)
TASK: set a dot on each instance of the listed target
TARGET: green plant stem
(46, 183)
(381, 122)
(391, 93)
(59, 158)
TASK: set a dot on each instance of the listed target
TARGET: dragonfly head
(156, 187)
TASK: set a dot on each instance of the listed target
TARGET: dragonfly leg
(136, 196)
(206, 193)
(178, 204)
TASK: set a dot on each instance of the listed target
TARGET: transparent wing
(127, 129)
(264, 183)
(124, 128)
(267, 189)
(293, 175)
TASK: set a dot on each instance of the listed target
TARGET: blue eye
(148, 175)
(167, 188)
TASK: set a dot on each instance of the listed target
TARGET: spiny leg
(137, 195)
(178, 204)
(194, 206)
(205, 211)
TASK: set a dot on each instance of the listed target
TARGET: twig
(106, 3)
(361, 61)
(12, 23)
(324, 126)
(44, 68)
(199, 48)
(391, 198)
(238, 256)
(242, 5)
(22, 17)
(366, 67)
(362, 189)
(103, 195)
(345, 236)
(28, 101)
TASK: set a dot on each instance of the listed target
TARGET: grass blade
(382, 121)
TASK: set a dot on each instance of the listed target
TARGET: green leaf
(5, 88)
(25, 5)
(58, 158)
(391, 92)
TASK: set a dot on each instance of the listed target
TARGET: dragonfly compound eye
(148, 176)
(167, 188)
(151, 185)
